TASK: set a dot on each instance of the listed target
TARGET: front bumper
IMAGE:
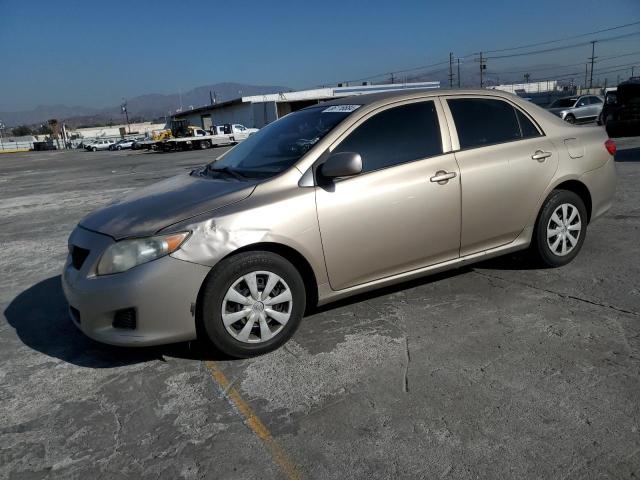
(162, 293)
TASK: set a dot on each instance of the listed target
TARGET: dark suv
(621, 112)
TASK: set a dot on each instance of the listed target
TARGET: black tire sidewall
(570, 119)
(557, 198)
(221, 279)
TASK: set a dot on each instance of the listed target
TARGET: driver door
(395, 216)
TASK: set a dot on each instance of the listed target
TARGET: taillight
(610, 145)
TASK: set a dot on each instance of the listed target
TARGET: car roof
(398, 95)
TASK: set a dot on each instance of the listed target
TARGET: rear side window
(481, 121)
(527, 127)
(394, 136)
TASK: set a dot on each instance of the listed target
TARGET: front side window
(395, 136)
(582, 102)
(596, 101)
(563, 103)
(482, 121)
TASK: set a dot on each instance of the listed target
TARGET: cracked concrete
(499, 370)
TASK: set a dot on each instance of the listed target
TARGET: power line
(535, 52)
(563, 39)
(564, 47)
(560, 67)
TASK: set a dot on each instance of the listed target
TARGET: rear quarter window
(527, 127)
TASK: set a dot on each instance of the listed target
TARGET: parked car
(330, 201)
(577, 109)
(621, 112)
(96, 145)
(122, 144)
(137, 145)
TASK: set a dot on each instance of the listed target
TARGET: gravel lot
(495, 371)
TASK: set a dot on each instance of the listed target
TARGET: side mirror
(343, 164)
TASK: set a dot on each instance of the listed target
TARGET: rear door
(395, 216)
(595, 104)
(505, 163)
(582, 108)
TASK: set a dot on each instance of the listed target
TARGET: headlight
(126, 254)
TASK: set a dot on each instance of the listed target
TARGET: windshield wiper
(226, 170)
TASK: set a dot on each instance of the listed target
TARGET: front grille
(75, 314)
(125, 318)
(78, 256)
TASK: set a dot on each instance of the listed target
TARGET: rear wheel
(252, 303)
(560, 229)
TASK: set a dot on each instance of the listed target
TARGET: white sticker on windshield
(341, 109)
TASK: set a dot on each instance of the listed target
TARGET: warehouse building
(258, 110)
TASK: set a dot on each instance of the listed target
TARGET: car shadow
(41, 321)
(628, 155)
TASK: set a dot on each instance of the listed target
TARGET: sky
(94, 53)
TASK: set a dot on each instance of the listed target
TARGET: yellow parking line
(253, 422)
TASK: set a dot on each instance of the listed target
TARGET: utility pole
(393, 78)
(526, 77)
(593, 51)
(450, 69)
(632, 70)
(483, 67)
(210, 98)
(126, 114)
(458, 73)
(586, 72)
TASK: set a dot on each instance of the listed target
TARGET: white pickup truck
(201, 139)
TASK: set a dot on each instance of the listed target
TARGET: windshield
(563, 103)
(280, 144)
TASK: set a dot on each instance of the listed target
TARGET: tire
(570, 119)
(118, 147)
(94, 149)
(227, 282)
(560, 249)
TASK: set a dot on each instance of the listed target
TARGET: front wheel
(570, 119)
(94, 149)
(560, 229)
(252, 303)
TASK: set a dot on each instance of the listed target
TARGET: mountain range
(141, 108)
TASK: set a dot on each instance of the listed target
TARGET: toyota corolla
(333, 200)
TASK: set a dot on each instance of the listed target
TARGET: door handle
(540, 155)
(442, 177)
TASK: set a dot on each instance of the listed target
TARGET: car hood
(557, 110)
(150, 209)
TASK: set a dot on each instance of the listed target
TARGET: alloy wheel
(256, 307)
(563, 229)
